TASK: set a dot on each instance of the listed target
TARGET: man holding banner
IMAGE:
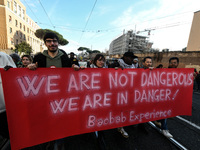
(126, 62)
(147, 64)
(173, 63)
(5, 60)
(52, 58)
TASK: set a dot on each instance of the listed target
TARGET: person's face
(147, 63)
(26, 61)
(51, 44)
(135, 61)
(100, 62)
(71, 55)
(173, 63)
(128, 60)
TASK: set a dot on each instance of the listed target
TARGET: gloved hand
(7, 67)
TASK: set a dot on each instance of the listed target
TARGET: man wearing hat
(127, 60)
(135, 62)
(73, 59)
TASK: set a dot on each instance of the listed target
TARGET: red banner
(48, 104)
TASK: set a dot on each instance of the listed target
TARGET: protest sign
(52, 103)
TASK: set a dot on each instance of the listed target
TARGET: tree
(83, 48)
(88, 50)
(96, 51)
(41, 32)
(184, 49)
(24, 47)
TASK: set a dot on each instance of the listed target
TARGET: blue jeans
(163, 124)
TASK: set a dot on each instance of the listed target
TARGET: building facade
(16, 26)
(188, 59)
(129, 42)
(194, 38)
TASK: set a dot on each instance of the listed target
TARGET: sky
(95, 23)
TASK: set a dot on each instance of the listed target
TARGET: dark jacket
(41, 59)
(74, 61)
(198, 78)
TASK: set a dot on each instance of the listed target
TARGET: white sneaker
(123, 132)
(167, 134)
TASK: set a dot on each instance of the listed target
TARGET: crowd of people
(54, 57)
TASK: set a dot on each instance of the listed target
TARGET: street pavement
(138, 140)
(185, 133)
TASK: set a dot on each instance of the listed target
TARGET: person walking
(173, 63)
(26, 60)
(136, 62)
(6, 62)
(99, 62)
(73, 59)
(126, 62)
(16, 58)
(53, 57)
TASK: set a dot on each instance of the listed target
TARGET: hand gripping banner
(53, 103)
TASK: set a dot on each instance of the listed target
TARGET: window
(24, 28)
(20, 35)
(16, 32)
(19, 8)
(10, 18)
(16, 41)
(24, 37)
(11, 41)
(15, 7)
(16, 23)
(20, 25)
(8, 4)
(23, 14)
(10, 30)
(27, 30)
